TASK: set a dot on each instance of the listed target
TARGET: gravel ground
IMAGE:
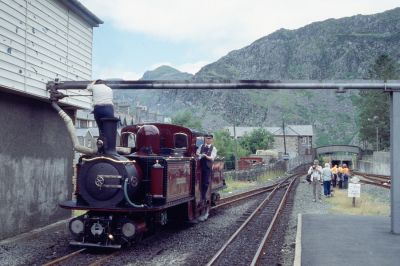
(193, 245)
(37, 249)
(177, 244)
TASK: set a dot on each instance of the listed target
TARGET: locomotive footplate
(84, 244)
(71, 204)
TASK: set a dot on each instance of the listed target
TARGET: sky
(140, 35)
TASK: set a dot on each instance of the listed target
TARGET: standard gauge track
(248, 240)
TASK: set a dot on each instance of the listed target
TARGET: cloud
(210, 29)
(214, 24)
(189, 67)
(115, 73)
(192, 68)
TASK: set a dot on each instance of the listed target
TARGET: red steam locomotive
(156, 179)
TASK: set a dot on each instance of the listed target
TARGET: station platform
(345, 240)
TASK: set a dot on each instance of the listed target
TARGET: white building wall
(41, 41)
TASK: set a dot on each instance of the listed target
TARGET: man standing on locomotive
(207, 153)
(102, 102)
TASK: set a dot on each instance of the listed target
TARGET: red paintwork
(177, 162)
(217, 174)
(167, 132)
(179, 179)
(249, 162)
(148, 138)
(157, 181)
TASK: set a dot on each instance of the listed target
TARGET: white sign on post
(354, 190)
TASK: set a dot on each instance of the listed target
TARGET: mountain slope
(343, 48)
(332, 49)
(166, 73)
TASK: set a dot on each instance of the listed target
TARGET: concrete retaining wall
(35, 165)
(378, 163)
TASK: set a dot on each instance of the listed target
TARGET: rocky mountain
(343, 48)
(155, 100)
(332, 49)
(166, 73)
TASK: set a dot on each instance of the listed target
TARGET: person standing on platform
(346, 174)
(340, 177)
(334, 175)
(207, 153)
(316, 171)
(327, 178)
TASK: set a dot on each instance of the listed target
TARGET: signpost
(354, 189)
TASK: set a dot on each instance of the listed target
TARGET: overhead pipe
(340, 85)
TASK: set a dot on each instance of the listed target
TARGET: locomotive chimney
(109, 134)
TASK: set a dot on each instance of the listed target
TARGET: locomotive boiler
(153, 177)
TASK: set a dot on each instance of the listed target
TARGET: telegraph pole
(284, 137)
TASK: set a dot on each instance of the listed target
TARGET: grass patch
(365, 205)
(270, 175)
(234, 184)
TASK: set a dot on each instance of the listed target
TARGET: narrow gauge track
(240, 247)
(64, 258)
(84, 256)
(377, 180)
(242, 196)
(99, 259)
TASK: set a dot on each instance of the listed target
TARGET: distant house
(298, 138)
(87, 131)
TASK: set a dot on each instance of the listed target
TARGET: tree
(373, 114)
(226, 148)
(258, 139)
(186, 119)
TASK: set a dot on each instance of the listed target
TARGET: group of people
(340, 176)
(328, 176)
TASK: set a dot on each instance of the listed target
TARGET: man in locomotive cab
(103, 106)
(207, 153)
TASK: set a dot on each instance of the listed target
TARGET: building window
(304, 140)
(83, 124)
(89, 143)
(81, 140)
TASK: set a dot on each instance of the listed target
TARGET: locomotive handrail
(107, 158)
(127, 196)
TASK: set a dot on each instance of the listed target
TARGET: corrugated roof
(84, 114)
(83, 12)
(290, 130)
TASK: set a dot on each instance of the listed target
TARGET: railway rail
(372, 179)
(83, 256)
(244, 195)
(100, 259)
(248, 234)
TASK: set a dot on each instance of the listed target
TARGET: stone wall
(378, 163)
(292, 145)
(35, 165)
